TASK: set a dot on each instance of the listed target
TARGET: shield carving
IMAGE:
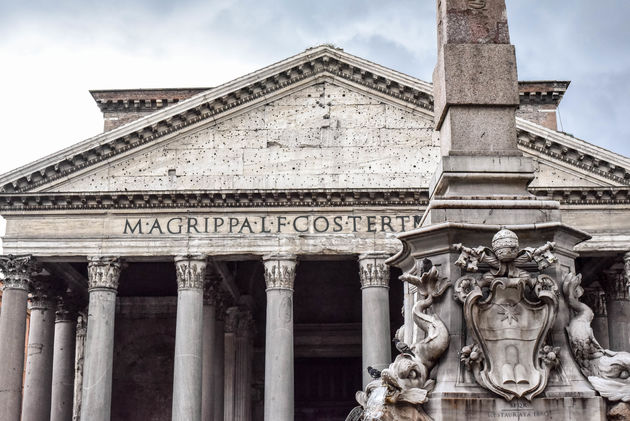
(509, 333)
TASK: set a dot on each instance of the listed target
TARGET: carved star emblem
(509, 313)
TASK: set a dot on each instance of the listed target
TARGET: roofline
(279, 74)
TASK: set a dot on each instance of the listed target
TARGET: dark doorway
(325, 388)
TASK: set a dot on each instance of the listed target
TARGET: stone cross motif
(17, 271)
(103, 272)
(508, 355)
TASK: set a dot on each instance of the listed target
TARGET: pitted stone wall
(323, 136)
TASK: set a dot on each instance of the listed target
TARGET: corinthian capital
(191, 271)
(44, 291)
(103, 272)
(17, 271)
(280, 271)
(616, 286)
(373, 271)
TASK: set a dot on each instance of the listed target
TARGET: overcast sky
(53, 52)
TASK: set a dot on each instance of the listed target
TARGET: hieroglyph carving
(509, 313)
(191, 271)
(608, 371)
(17, 271)
(103, 272)
(477, 4)
(404, 386)
(279, 272)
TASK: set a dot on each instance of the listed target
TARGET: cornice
(534, 138)
(213, 199)
(584, 195)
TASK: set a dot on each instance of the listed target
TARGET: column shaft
(188, 338)
(243, 384)
(63, 367)
(618, 310)
(279, 389)
(376, 335)
(79, 362)
(96, 395)
(39, 360)
(17, 271)
(219, 368)
(207, 385)
(12, 334)
(375, 331)
(99, 356)
(229, 371)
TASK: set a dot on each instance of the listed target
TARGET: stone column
(17, 271)
(188, 338)
(279, 277)
(218, 365)
(229, 370)
(39, 360)
(376, 338)
(79, 359)
(63, 361)
(595, 298)
(618, 309)
(243, 383)
(96, 395)
(209, 336)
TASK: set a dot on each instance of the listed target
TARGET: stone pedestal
(62, 394)
(39, 360)
(17, 272)
(188, 338)
(618, 309)
(376, 337)
(96, 395)
(457, 395)
(279, 370)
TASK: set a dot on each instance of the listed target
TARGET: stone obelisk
(480, 187)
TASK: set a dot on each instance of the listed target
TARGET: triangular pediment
(322, 133)
(140, 147)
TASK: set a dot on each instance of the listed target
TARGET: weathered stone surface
(322, 135)
(143, 367)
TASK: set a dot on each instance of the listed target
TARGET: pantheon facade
(223, 249)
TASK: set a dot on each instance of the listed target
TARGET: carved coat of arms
(510, 314)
